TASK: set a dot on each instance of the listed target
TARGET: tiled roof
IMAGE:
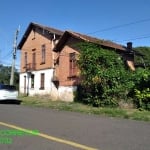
(32, 26)
(52, 30)
(87, 38)
(64, 36)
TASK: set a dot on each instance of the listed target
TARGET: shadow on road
(15, 102)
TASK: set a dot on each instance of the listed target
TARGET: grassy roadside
(133, 114)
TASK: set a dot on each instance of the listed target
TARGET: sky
(120, 21)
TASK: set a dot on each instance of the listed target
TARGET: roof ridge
(46, 27)
(32, 25)
(89, 38)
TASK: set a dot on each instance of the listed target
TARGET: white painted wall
(37, 82)
(64, 93)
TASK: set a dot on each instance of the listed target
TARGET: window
(43, 54)
(72, 64)
(33, 60)
(32, 81)
(42, 81)
(25, 84)
(25, 59)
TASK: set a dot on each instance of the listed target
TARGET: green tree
(145, 60)
(5, 72)
(142, 89)
(105, 81)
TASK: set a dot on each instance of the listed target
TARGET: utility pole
(14, 57)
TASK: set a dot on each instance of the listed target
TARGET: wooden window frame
(72, 65)
(33, 60)
(32, 81)
(25, 59)
(42, 81)
(43, 54)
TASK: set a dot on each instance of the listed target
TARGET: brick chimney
(129, 46)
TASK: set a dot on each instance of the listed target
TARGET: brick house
(48, 60)
(66, 73)
(36, 70)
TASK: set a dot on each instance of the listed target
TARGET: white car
(8, 92)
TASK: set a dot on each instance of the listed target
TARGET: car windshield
(7, 87)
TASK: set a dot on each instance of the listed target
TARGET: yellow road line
(80, 146)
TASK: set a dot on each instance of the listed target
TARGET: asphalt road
(60, 130)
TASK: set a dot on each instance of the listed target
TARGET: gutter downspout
(53, 45)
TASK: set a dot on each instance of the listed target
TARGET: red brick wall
(62, 70)
(35, 41)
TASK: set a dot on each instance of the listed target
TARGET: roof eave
(61, 42)
(22, 41)
(30, 27)
(67, 34)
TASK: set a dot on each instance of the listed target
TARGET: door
(25, 84)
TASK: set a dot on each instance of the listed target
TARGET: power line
(120, 26)
(8, 54)
(133, 39)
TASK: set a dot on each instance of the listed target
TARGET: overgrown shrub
(143, 98)
(105, 80)
(142, 89)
